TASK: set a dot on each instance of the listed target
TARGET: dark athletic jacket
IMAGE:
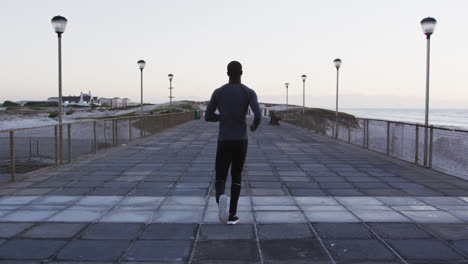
(232, 101)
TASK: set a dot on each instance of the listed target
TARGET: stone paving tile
(221, 251)
(111, 191)
(359, 250)
(28, 216)
(331, 216)
(350, 201)
(112, 231)
(344, 192)
(304, 201)
(178, 217)
(431, 217)
(381, 216)
(149, 192)
(284, 231)
(424, 250)
(36, 249)
(170, 231)
(8, 230)
(461, 245)
(160, 251)
(128, 216)
(57, 200)
(271, 200)
(280, 217)
(94, 250)
(54, 230)
(292, 251)
(448, 231)
(76, 216)
(216, 231)
(342, 231)
(71, 191)
(17, 200)
(399, 231)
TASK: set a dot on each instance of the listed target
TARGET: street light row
(59, 23)
(428, 24)
(141, 64)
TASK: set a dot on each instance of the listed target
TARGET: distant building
(88, 99)
(115, 102)
(83, 99)
(106, 101)
(125, 102)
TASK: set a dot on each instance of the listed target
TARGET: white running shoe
(233, 220)
(223, 214)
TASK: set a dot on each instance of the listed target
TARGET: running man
(232, 101)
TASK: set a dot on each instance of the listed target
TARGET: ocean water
(451, 118)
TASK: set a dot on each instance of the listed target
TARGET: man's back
(232, 101)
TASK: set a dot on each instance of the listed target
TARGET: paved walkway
(305, 199)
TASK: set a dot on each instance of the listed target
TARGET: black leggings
(230, 152)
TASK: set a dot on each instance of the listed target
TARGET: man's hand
(253, 127)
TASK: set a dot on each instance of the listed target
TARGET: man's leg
(223, 161)
(238, 159)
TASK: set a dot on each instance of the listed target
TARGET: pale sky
(380, 43)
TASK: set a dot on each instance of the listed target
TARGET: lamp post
(304, 77)
(141, 65)
(170, 76)
(286, 84)
(59, 23)
(428, 25)
(337, 63)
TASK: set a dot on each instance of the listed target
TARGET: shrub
(53, 115)
(42, 104)
(9, 104)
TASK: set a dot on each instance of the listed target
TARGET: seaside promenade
(305, 198)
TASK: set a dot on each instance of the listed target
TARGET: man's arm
(210, 114)
(256, 109)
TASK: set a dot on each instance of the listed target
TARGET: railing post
(425, 144)
(116, 132)
(113, 132)
(94, 138)
(336, 130)
(430, 145)
(364, 134)
(12, 156)
(388, 137)
(140, 121)
(367, 134)
(56, 146)
(416, 149)
(61, 144)
(69, 142)
(349, 134)
(129, 130)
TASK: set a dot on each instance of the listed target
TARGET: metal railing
(29, 149)
(446, 151)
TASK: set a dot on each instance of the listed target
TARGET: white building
(116, 102)
(83, 99)
(125, 102)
